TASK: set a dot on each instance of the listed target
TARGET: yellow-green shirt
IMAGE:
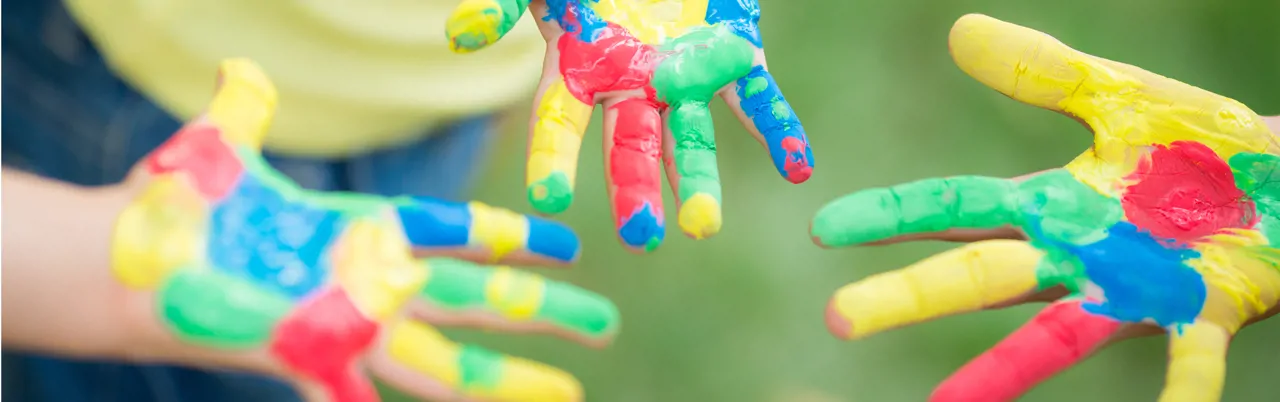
(353, 75)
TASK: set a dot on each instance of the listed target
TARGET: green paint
(652, 244)
(1258, 175)
(511, 12)
(756, 85)
(923, 206)
(213, 309)
(255, 165)
(551, 195)
(478, 368)
(460, 285)
(470, 41)
(1070, 211)
(698, 64)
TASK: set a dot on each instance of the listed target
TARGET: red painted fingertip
(836, 323)
(799, 174)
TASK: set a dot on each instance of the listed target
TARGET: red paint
(615, 61)
(796, 165)
(1185, 192)
(321, 340)
(633, 160)
(198, 151)
(1060, 336)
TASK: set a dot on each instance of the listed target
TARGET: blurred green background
(738, 317)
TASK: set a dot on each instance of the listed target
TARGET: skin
(1165, 226)
(654, 66)
(222, 261)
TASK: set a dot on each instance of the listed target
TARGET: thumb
(476, 24)
(243, 103)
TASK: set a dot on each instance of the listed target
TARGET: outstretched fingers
(478, 232)
(975, 276)
(559, 122)
(632, 149)
(760, 106)
(1060, 336)
(416, 358)
(460, 293)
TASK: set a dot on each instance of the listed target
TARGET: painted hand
(239, 266)
(654, 66)
(1168, 224)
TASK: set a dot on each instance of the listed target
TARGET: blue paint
(276, 243)
(773, 117)
(552, 239)
(430, 222)
(576, 16)
(642, 229)
(1141, 276)
(740, 16)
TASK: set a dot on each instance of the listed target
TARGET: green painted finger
(924, 206)
(479, 23)
(214, 309)
(518, 296)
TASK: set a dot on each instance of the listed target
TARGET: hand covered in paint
(238, 266)
(1169, 223)
(654, 66)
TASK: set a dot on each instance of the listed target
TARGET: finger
(1197, 363)
(243, 104)
(459, 293)
(1060, 336)
(560, 121)
(925, 206)
(418, 359)
(479, 232)
(632, 145)
(479, 23)
(694, 156)
(759, 104)
(972, 277)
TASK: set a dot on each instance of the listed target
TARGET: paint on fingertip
(579, 310)
(763, 103)
(642, 229)
(700, 216)
(575, 17)
(430, 222)
(552, 239)
(551, 195)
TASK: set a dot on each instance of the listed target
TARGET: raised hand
(1169, 223)
(239, 266)
(654, 66)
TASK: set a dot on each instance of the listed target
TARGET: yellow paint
(1230, 272)
(162, 230)
(654, 21)
(965, 279)
(1126, 107)
(372, 262)
(700, 216)
(424, 350)
(527, 381)
(500, 230)
(557, 134)
(1197, 364)
(244, 103)
(474, 17)
(515, 294)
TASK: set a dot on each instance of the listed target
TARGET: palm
(241, 259)
(1167, 222)
(655, 66)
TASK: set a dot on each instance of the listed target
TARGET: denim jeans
(68, 117)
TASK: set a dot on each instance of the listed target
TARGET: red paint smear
(1185, 192)
(1057, 338)
(616, 61)
(633, 160)
(321, 340)
(797, 167)
(198, 151)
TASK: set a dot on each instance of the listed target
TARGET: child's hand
(654, 66)
(1168, 223)
(241, 267)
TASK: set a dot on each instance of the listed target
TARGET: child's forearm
(58, 293)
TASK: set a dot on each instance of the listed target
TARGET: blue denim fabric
(68, 117)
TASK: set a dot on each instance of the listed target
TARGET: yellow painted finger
(244, 103)
(478, 373)
(1197, 363)
(968, 278)
(560, 122)
(479, 23)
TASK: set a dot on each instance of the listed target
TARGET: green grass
(738, 318)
